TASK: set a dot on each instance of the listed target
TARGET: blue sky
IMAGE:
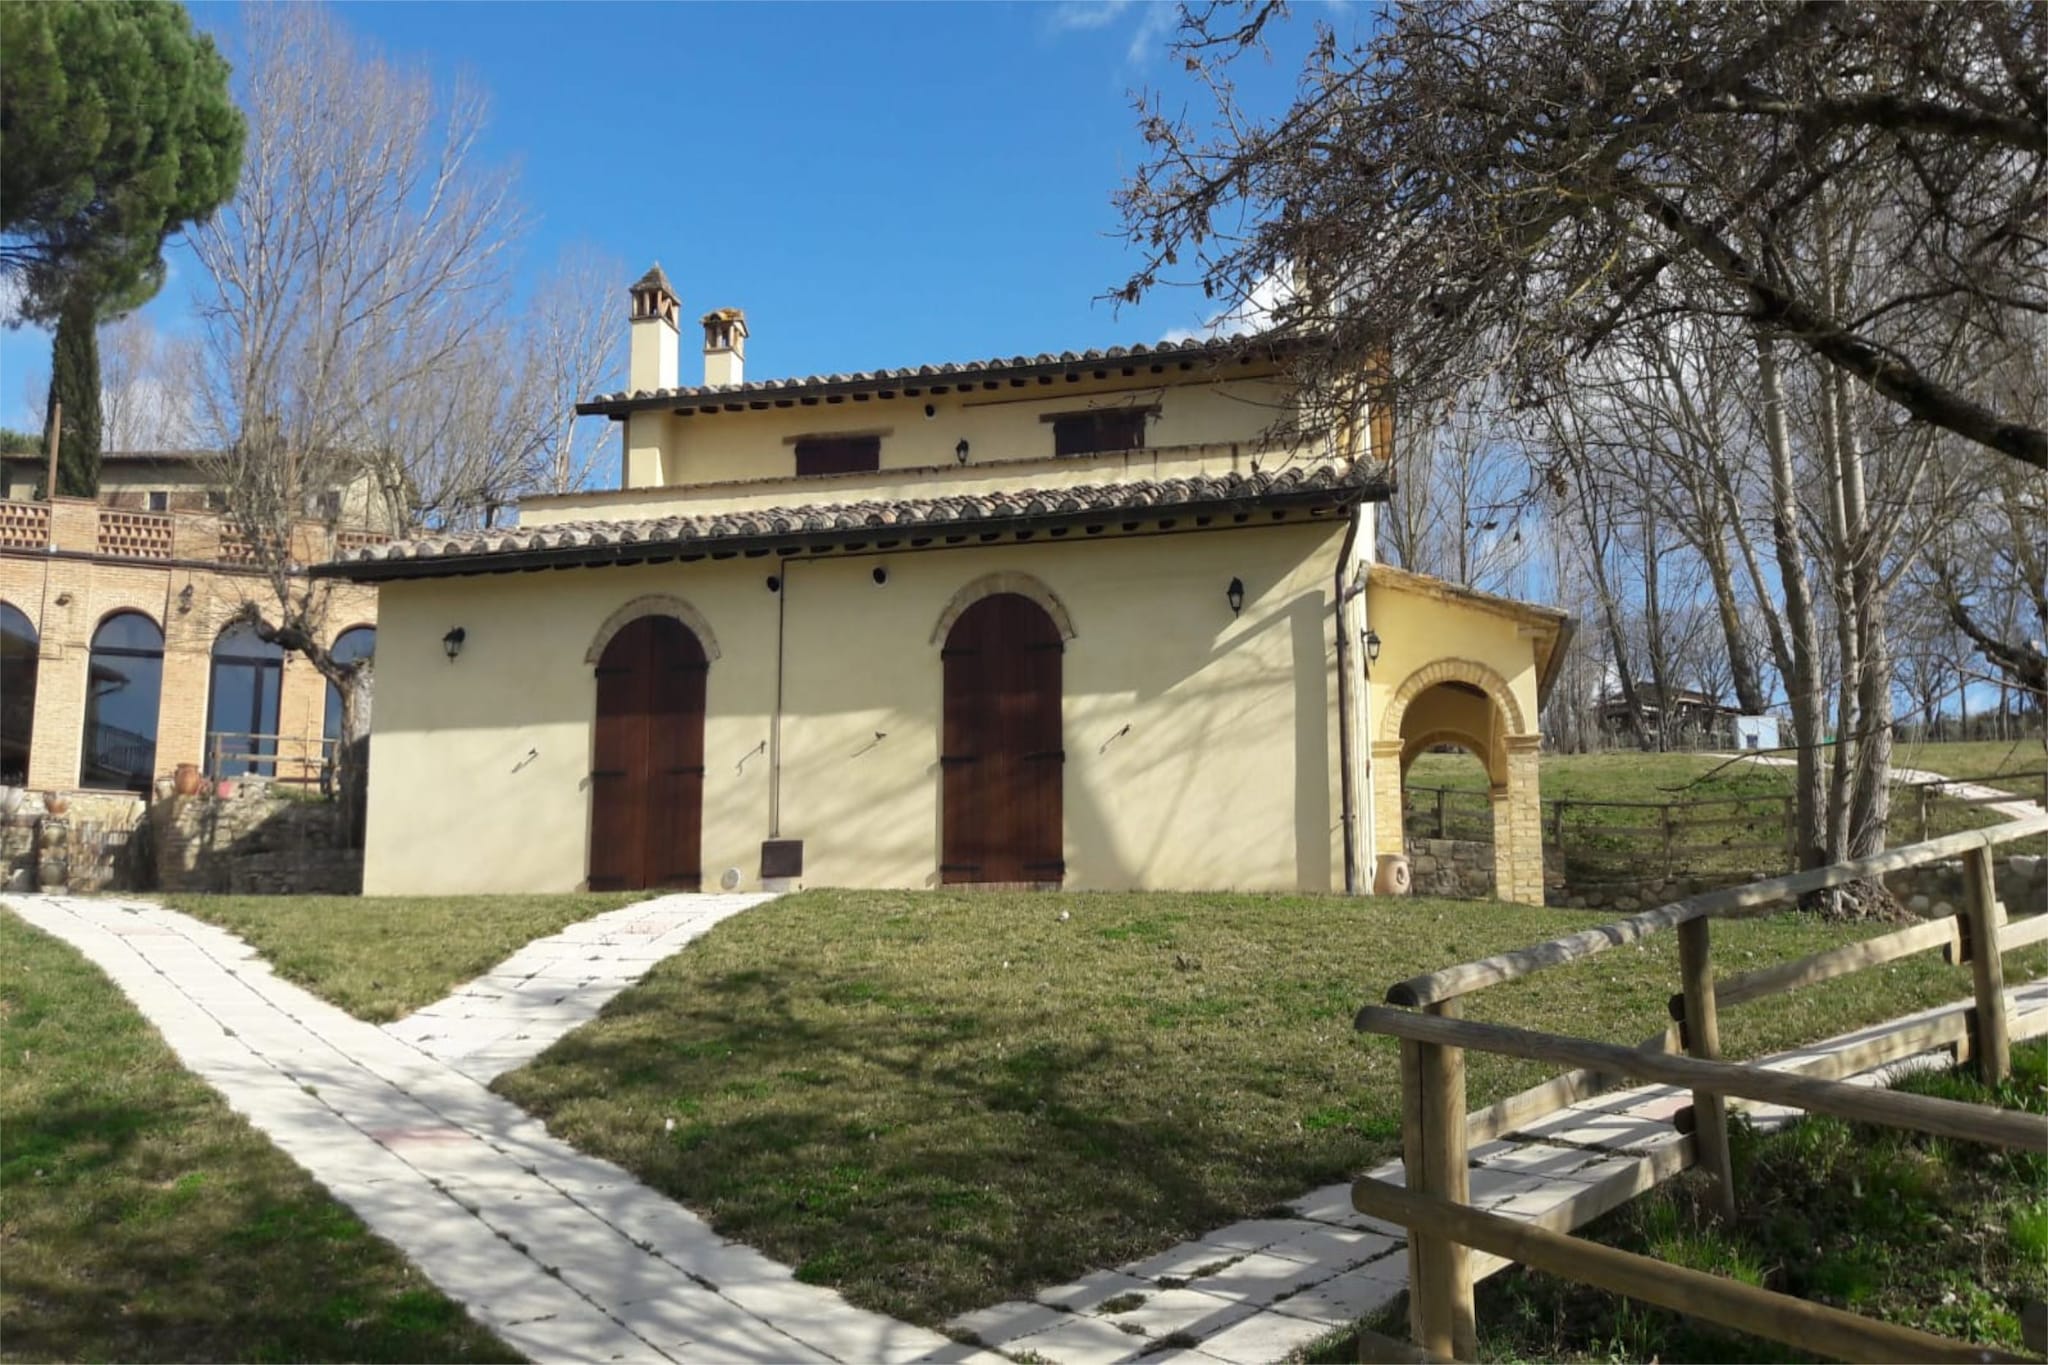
(875, 184)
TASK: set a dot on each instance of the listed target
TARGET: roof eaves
(765, 392)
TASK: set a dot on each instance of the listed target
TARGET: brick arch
(654, 604)
(1010, 581)
(1452, 670)
(1420, 744)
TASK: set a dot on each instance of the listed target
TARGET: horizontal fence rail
(1437, 1134)
(1602, 842)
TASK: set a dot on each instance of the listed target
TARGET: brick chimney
(655, 358)
(725, 346)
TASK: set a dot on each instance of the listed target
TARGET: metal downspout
(1345, 694)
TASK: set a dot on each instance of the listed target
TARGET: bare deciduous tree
(360, 361)
(1486, 182)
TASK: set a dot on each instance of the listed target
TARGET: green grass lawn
(938, 1101)
(1611, 843)
(143, 1220)
(1948, 1237)
(1979, 758)
(382, 957)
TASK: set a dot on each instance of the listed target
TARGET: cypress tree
(75, 382)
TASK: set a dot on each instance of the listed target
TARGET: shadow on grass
(144, 1220)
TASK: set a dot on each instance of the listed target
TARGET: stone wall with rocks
(255, 843)
(1936, 890)
(1457, 869)
(99, 842)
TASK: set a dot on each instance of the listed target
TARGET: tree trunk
(1802, 684)
(352, 750)
(75, 383)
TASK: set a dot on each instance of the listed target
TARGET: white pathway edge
(564, 1256)
(1256, 1291)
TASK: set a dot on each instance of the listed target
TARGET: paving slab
(564, 1256)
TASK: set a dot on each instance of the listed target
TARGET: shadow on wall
(255, 843)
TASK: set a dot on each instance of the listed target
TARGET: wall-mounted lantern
(1372, 647)
(452, 642)
(1235, 594)
(185, 599)
(960, 451)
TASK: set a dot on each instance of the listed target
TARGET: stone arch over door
(1467, 704)
(654, 604)
(1007, 581)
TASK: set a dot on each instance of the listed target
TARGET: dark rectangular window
(159, 501)
(838, 454)
(1085, 433)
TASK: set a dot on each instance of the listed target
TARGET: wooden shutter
(838, 454)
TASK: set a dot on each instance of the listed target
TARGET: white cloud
(1255, 314)
(1158, 24)
(1073, 15)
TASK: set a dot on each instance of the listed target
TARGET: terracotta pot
(55, 803)
(186, 781)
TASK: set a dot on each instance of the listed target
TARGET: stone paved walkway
(511, 1014)
(564, 1256)
(1250, 1293)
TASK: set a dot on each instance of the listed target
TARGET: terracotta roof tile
(1316, 485)
(1216, 348)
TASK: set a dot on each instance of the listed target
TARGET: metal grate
(345, 541)
(24, 525)
(135, 535)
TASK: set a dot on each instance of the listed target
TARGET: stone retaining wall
(1456, 869)
(254, 843)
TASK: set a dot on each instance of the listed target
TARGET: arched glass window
(241, 708)
(124, 683)
(352, 645)
(18, 653)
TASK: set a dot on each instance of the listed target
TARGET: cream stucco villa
(1063, 620)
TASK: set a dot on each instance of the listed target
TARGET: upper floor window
(159, 500)
(1085, 433)
(838, 454)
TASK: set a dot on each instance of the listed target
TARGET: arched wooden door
(1001, 763)
(647, 778)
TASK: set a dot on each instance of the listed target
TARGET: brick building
(122, 659)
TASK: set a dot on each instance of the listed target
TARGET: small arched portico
(1465, 703)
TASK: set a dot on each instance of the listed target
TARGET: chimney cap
(738, 315)
(655, 278)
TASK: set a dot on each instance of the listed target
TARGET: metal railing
(297, 760)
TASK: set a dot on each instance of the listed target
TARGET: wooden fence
(1436, 1131)
(1635, 841)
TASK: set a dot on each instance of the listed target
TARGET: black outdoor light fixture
(1372, 646)
(960, 451)
(1235, 593)
(452, 642)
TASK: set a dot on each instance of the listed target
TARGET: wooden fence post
(1668, 833)
(1703, 1040)
(1791, 833)
(1440, 794)
(1988, 1040)
(1440, 1311)
(1557, 824)
(1920, 809)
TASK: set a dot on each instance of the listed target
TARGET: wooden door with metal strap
(647, 773)
(1002, 761)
